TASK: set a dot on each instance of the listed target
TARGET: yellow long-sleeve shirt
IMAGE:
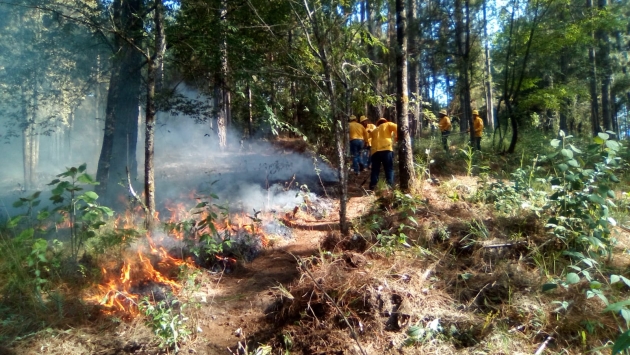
(370, 127)
(357, 131)
(478, 126)
(381, 137)
(445, 124)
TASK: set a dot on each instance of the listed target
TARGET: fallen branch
(353, 334)
(503, 245)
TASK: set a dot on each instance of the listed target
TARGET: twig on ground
(478, 293)
(503, 245)
(352, 331)
(542, 346)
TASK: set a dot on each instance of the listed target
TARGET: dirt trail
(239, 299)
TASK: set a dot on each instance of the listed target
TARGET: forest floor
(463, 279)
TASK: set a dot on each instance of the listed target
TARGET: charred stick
(134, 194)
(289, 184)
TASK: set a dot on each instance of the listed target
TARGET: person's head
(380, 121)
(475, 113)
(352, 118)
(443, 113)
(364, 121)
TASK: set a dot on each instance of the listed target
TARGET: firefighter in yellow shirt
(445, 128)
(365, 154)
(382, 149)
(358, 139)
(478, 129)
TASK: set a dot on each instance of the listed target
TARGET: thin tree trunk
(154, 83)
(593, 82)
(489, 93)
(250, 116)
(220, 86)
(405, 152)
(374, 112)
(605, 65)
(414, 62)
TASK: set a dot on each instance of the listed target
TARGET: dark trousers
(356, 145)
(386, 158)
(477, 143)
(445, 139)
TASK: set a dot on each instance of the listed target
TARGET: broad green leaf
(618, 306)
(622, 343)
(563, 167)
(572, 278)
(575, 149)
(555, 143)
(625, 313)
(595, 198)
(86, 179)
(603, 136)
(567, 153)
(91, 194)
(613, 145)
(625, 280)
(599, 141)
(26, 234)
(614, 279)
(549, 286)
(13, 222)
(414, 331)
(574, 163)
(595, 285)
(82, 167)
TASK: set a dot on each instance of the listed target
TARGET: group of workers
(372, 145)
(445, 128)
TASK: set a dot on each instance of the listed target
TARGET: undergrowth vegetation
(521, 258)
(491, 254)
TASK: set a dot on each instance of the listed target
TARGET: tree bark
(593, 82)
(414, 64)
(120, 137)
(405, 151)
(221, 96)
(489, 93)
(154, 83)
(374, 112)
(605, 65)
(250, 116)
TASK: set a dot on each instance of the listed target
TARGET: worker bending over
(358, 138)
(366, 155)
(478, 128)
(382, 138)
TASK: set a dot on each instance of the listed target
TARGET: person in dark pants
(382, 138)
(358, 139)
(366, 153)
(445, 128)
(478, 128)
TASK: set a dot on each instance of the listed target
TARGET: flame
(152, 263)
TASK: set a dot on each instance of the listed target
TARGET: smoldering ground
(189, 165)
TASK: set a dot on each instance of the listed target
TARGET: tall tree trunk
(374, 112)
(593, 82)
(414, 61)
(250, 116)
(154, 83)
(405, 152)
(605, 65)
(120, 137)
(488, 84)
(221, 97)
(564, 107)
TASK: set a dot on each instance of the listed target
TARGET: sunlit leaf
(572, 278)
